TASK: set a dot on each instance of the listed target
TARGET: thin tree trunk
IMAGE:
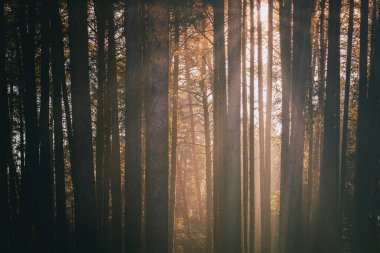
(244, 127)
(115, 176)
(83, 169)
(4, 141)
(157, 126)
(232, 180)
(266, 176)
(174, 128)
(133, 131)
(45, 173)
(100, 13)
(343, 161)
(252, 130)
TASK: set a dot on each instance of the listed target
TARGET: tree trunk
(232, 180)
(252, 131)
(30, 174)
(286, 52)
(174, 128)
(343, 161)
(301, 70)
(157, 126)
(100, 9)
(58, 73)
(83, 169)
(266, 176)
(45, 173)
(115, 176)
(133, 112)
(220, 119)
(4, 141)
(244, 127)
(327, 220)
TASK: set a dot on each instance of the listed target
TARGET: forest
(190, 126)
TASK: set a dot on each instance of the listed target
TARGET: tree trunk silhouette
(156, 107)
(82, 167)
(174, 127)
(327, 213)
(133, 112)
(232, 181)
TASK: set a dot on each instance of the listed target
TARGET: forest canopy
(211, 126)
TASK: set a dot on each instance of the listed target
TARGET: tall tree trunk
(45, 172)
(266, 176)
(301, 70)
(363, 172)
(327, 220)
(343, 161)
(174, 128)
(133, 112)
(58, 73)
(157, 126)
(244, 127)
(232, 180)
(252, 130)
(220, 119)
(286, 52)
(374, 107)
(83, 169)
(4, 141)
(115, 177)
(261, 119)
(100, 13)
(30, 174)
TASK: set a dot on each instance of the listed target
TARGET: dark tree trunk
(115, 176)
(4, 141)
(157, 126)
(301, 70)
(82, 167)
(27, 25)
(133, 111)
(244, 127)
(286, 52)
(251, 219)
(100, 13)
(45, 173)
(220, 119)
(327, 213)
(266, 176)
(58, 73)
(232, 181)
(174, 128)
(343, 161)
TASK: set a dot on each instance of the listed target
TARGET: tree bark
(58, 73)
(220, 119)
(286, 52)
(100, 14)
(82, 167)
(252, 130)
(232, 180)
(157, 126)
(327, 217)
(133, 131)
(174, 128)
